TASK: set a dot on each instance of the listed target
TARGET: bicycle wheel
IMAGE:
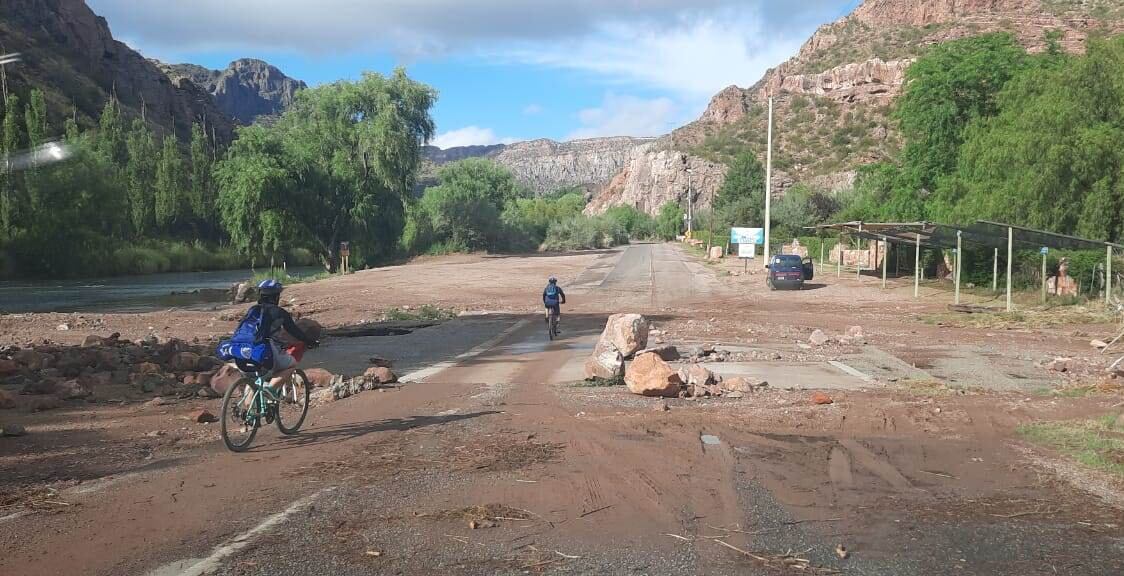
(550, 326)
(292, 402)
(238, 428)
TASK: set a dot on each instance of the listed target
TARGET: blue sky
(506, 70)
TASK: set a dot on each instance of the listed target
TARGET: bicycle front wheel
(240, 418)
(292, 403)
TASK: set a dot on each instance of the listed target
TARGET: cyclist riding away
(552, 298)
(259, 337)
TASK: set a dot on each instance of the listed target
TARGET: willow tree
(337, 166)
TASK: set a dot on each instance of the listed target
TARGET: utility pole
(690, 210)
(768, 180)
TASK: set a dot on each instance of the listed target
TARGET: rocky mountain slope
(833, 98)
(545, 166)
(70, 54)
(248, 90)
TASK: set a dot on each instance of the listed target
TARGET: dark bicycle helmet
(270, 287)
(553, 280)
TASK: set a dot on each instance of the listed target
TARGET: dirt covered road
(495, 459)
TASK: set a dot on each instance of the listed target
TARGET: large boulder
(819, 338)
(742, 385)
(225, 377)
(697, 375)
(241, 292)
(380, 375)
(649, 375)
(627, 332)
(606, 363)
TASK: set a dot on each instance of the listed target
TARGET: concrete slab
(408, 352)
(784, 375)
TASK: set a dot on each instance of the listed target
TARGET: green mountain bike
(251, 400)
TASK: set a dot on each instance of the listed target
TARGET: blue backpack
(551, 294)
(247, 346)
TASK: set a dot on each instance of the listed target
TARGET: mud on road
(498, 462)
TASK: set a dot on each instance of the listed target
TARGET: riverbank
(148, 257)
(463, 282)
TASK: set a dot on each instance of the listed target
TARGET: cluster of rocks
(650, 375)
(622, 352)
(853, 337)
(377, 376)
(52, 374)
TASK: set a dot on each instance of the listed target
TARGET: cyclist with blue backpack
(257, 340)
(552, 298)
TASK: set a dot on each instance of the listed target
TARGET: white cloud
(626, 116)
(468, 136)
(693, 59)
(414, 27)
(532, 109)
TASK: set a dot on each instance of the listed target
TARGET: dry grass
(1029, 318)
(1096, 443)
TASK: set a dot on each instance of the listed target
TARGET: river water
(125, 293)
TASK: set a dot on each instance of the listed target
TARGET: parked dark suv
(788, 271)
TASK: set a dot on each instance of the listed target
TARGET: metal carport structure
(995, 235)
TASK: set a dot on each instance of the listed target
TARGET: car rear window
(786, 261)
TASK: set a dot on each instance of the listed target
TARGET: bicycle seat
(251, 367)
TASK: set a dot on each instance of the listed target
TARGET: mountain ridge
(833, 97)
(247, 90)
(70, 54)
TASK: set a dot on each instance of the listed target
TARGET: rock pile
(623, 337)
(109, 366)
(621, 352)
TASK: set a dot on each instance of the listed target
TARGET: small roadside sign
(747, 250)
(747, 236)
(1044, 251)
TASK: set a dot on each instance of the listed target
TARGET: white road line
(424, 373)
(200, 566)
(851, 371)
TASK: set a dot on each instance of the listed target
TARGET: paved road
(496, 464)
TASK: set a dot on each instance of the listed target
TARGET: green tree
(800, 207)
(11, 140)
(112, 137)
(336, 166)
(140, 177)
(669, 222)
(169, 185)
(36, 129)
(745, 182)
(1053, 156)
(955, 83)
(464, 209)
(202, 189)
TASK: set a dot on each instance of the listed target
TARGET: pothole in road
(380, 329)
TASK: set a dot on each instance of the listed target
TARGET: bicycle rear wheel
(240, 420)
(292, 402)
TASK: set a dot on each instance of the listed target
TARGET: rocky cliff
(545, 166)
(69, 53)
(833, 98)
(248, 90)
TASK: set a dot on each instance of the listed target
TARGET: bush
(584, 233)
(639, 225)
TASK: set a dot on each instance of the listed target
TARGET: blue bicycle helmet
(269, 287)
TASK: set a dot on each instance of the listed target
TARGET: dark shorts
(555, 309)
